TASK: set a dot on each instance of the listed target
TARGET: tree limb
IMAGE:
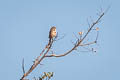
(79, 41)
(45, 51)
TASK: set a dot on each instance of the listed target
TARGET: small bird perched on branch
(52, 33)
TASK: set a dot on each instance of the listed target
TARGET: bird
(52, 33)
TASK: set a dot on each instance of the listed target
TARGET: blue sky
(24, 28)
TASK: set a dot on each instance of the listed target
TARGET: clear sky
(24, 28)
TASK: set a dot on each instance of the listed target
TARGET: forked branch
(79, 42)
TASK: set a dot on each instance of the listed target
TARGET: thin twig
(23, 66)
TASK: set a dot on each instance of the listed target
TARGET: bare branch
(78, 42)
(23, 66)
(38, 60)
(75, 36)
(88, 43)
(88, 49)
(59, 38)
(44, 53)
(88, 23)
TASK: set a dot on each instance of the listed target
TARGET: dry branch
(38, 60)
(79, 42)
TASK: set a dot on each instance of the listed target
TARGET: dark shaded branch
(23, 66)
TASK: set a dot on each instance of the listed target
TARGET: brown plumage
(52, 33)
